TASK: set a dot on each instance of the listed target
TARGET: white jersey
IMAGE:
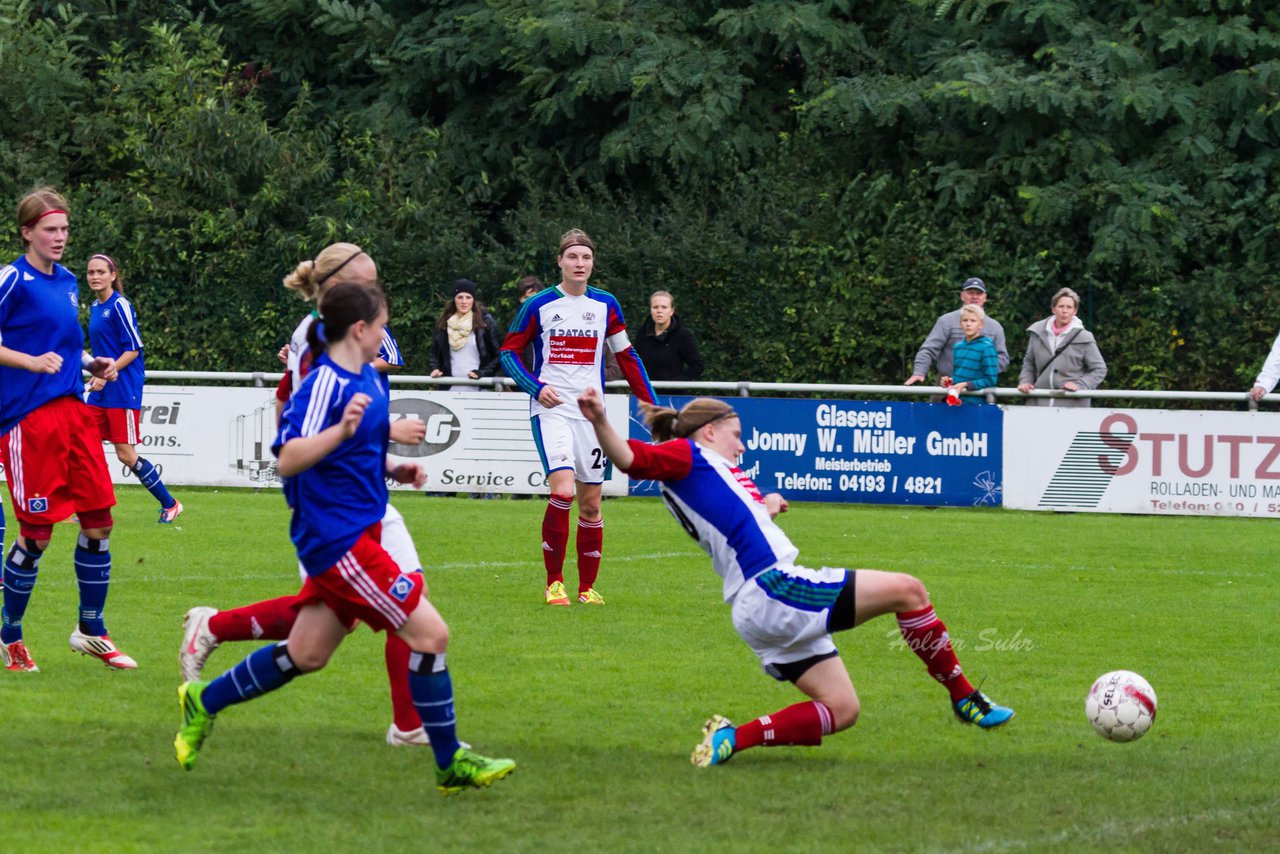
(718, 506)
(568, 334)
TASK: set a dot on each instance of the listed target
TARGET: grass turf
(601, 706)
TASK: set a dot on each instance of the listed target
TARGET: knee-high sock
(403, 712)
(803, 723)
(433, 696)
(927, 636)
(590, 545)
(262, 671)
(149, 476)
(20, 568)
(93, 577)
(555, 535)
(270, 619)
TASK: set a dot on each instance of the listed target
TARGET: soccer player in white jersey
(569, 325)
(785, 612)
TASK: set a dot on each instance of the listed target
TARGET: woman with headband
(51, 450)
(113, 333)
(784, 612)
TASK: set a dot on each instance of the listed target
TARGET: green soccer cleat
(977, 708)
(470, 770)
(196, 723)
(718, 743)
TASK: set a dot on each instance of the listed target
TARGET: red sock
(268, 620)
(403, 712)
(927, 636)
(803, 723)
(555, 536)
(590, 544)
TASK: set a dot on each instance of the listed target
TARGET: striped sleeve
(312, 407)
(523, 329)
(389, 350)
(8, 281)
(127, 326)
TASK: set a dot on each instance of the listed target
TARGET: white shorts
(570, 443)
(395, 542)
(782, 613)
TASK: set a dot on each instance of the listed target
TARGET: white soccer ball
(1121, 706)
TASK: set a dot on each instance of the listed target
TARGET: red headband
(41, 216)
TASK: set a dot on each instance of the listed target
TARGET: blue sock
(93, 575)
(149, 477)
(432, 691)
(265, 670)
(19, 575)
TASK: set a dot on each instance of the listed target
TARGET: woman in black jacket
(466, 340)
(665, 344)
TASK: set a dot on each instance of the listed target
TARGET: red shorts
(54, 464)
(118, 426)
(367, 585)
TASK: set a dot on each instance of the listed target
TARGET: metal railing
(746, 388)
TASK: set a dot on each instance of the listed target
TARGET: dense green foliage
(601, 706)
(811, 179)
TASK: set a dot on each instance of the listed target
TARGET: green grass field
(600, 707)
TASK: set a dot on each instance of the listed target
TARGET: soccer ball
(1121, 706)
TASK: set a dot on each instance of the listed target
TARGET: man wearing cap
(937, 349)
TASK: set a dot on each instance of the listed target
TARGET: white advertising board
(1142, 461)
(476, 441)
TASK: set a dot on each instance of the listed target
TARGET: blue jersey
(346, 492)
(113, 331)
(39, 313)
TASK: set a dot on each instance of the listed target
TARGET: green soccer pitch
(601, 706)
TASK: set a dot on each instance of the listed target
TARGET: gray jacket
(940, 344)
(1080, 362)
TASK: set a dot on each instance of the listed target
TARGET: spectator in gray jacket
(1061, 354)
(937, 349)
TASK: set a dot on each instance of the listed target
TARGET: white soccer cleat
(102, 649)
(197, 642)
(397, 737)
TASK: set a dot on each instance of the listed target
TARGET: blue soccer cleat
(718, 743)
(977, 708)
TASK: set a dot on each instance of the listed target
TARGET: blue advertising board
(866, 452)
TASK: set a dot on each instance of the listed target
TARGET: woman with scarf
(466, 341)
(1061, 354)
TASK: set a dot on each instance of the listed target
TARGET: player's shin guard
(555, 536)
(433, 696)
(927, 636)
(93, 576)
(20, 569)
(404, 713)
(149, 476)
(262, 671)
(590, 546)
(803, 723)
(270, 619)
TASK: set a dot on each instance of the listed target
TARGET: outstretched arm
(614, 446)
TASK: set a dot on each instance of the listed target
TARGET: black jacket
(673, 355)
(487, 340)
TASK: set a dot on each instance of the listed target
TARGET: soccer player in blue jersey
(205, 628)
(113, 333)
(784, 612)
(50, 448)
(569, 326)
(332, 453)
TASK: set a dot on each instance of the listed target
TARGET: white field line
(1117, 833)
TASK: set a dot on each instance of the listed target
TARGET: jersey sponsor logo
(401, 589)
(589, 316)
(37, 505)
(572, 350)
(747, 483)
(555, 318)
(575, 333)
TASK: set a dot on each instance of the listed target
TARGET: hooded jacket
(1080, 361)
